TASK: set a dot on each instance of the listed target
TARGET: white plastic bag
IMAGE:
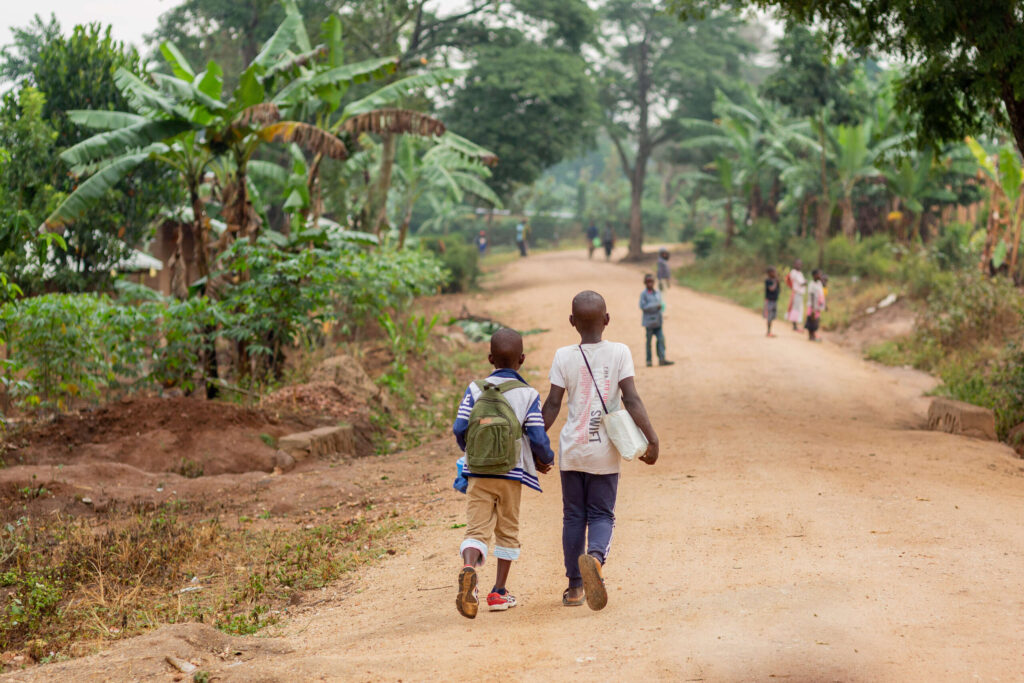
(627, 438)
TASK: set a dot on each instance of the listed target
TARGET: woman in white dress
(797, 284)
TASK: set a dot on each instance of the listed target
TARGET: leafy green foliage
(532, 106)
(963, 70)
(63, 73)
(64, 348)
(705, 242)
(460, 261)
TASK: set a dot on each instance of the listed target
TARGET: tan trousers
(492, 509)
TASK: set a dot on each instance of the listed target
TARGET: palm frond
(309, 137)
(262, 114)
(143, 98)
(400, 121)
(104, 120)
(114, 142)
(404, 87)
(92, 190)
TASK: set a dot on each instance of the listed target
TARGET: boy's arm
(552, 405)
(461, 425)
(540, 446)
(649, 304)
(635, 407)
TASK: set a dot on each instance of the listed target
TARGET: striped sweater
(526, 404)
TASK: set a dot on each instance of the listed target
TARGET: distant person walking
(521, 237)
(771, 297)
(481, 242)
(608, 241)
(652, 306)
(593, 239)
(797, 284)
(664, 273)
(815, 304)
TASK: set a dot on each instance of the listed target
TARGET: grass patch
(66, 581)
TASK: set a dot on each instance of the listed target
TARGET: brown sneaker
(466, 601)
(593, 582)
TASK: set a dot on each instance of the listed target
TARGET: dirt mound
(893, 322)
(188, 436)
(330, 402)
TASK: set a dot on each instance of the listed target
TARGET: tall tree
(966, 58)
(659, 71)
(21, 55)
(531, 105)
(77, 71)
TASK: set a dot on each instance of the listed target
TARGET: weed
(268, 440)
(189, 468)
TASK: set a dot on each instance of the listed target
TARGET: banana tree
(1004, 175)
(320, 87)
(450, 168)
(914, 181)
(854, 154)
(182, 121)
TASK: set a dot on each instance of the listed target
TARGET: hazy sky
(130, 18)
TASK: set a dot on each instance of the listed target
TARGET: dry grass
(69, 585)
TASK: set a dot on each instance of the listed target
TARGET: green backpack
(493, 430)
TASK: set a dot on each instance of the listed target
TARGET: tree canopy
(965, 61)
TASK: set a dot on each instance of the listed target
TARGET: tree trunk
(403, 233)
(849, 222)
(802, 225)
(636, 219)
(1015, 112)
(387, 164)
(821, 229)
(730, 222)
(825, 205)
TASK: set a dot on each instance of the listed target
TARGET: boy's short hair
(648, 276)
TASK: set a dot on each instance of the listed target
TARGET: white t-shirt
(583, 445)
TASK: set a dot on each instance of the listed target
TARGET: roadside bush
(970, 309)
(62, 348)
(365, 284)
(706, 241)
(952, 249)
(871, 257)
(460, 260)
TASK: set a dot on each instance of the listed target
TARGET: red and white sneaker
(466, 599)
(498, 602)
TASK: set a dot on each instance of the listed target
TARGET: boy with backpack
(500, 427)
(587, 460)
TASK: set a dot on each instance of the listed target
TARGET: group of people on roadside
(814, 291)
(597, 238)
(501, 426)
(522, 234)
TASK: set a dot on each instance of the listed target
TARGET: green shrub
(63, 347)
(970, 309)
(952, 249)
(706, 241)
(460, 260)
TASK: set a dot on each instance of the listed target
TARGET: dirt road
(800, 525)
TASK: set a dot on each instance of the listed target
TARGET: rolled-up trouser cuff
(503, 553)
(475, 545)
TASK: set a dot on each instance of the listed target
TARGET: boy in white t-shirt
(588, 462)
